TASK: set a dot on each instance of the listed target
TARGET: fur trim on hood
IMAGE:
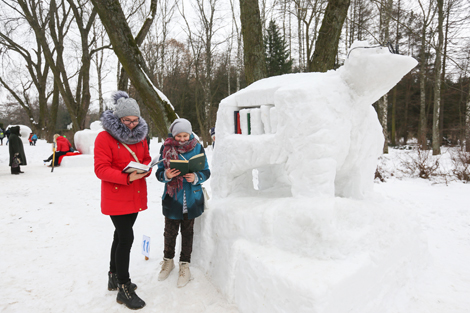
(112, 124)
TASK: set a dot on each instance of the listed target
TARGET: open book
(194, 164)
(139, 167)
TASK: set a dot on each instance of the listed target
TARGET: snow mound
(25, 131)
(85, 139)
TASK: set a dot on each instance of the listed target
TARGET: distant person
(62, 148)
(68, 143)
(7, 133)
(16, 151)
(182, 199)
(212, 132)
(2, 135)
(30, 139)
(123, 195)
(34, 138)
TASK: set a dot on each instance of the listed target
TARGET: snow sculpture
(85, 139)
(312, 134)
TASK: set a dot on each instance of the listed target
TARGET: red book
(238, 130)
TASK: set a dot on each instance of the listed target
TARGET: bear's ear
(372, 72)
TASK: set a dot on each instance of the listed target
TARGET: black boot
(113, 282)
(128, 297)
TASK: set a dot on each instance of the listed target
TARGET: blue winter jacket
(172, 207)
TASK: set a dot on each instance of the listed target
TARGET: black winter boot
(113, 282)
(128, 297)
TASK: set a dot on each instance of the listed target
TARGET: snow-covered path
(55, 245)
(444, 215)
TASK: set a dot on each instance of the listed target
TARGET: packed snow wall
(293, 225)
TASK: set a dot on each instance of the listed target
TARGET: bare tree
(59, 17)
(326, 46)
(308, 12)
(427, 18)
(123, 82)
(253, 46)
(124, 45)
(384, 32)
(38, 72)
(201, 39)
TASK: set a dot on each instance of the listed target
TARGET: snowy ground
(55, 244)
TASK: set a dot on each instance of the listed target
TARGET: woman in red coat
(62, 147)
(123, 195)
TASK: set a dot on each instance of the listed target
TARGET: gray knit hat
(125, 106)
(180, 125)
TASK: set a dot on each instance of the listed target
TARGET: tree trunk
(161, 112)
(53, 113)
(436, 141)
(326, 46)
(123, 83)
(422, 141)
(467, 123)
(393, 130)
(253, 46)
(383, 118)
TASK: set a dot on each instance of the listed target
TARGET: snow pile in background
(85, 139)
(25, 131)
(285, 240)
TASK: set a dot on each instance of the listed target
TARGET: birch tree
(427, 18)
(436, 140)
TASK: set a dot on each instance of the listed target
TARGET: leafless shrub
(421, 163)
(379, 174)
(461, 164)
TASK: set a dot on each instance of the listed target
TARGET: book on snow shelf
(194, 164)
(139, 167)
(238, 129)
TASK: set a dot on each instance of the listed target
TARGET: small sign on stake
(146, 247)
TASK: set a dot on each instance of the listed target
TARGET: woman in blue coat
(182, 199)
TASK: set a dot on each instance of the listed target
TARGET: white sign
(146, 246)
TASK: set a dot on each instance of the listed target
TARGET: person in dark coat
(16, 148)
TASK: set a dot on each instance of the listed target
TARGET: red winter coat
(118, 195)
(63, 144)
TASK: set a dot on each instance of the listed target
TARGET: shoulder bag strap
(132, 152)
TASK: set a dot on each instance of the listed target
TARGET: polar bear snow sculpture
(316, 134)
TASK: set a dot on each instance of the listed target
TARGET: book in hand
(139, 167)
(194, 164)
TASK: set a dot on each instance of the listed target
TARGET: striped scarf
(171, 150)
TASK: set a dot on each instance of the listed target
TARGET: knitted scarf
(172, 148)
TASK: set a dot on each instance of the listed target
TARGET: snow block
(78, 160)
(332, 256)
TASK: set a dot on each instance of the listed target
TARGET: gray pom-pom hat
(124, 105)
